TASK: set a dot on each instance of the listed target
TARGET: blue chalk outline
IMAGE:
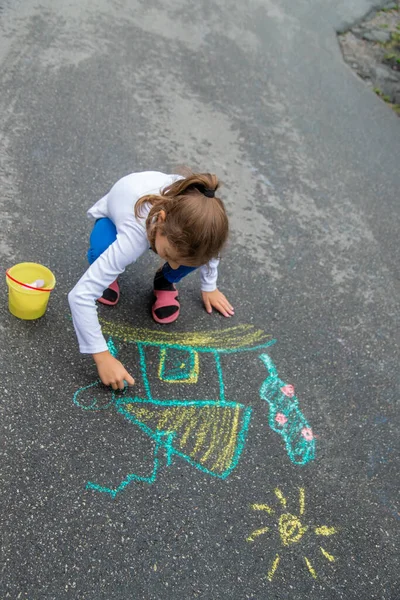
(165, 439)
(300, 451)
(178, 375)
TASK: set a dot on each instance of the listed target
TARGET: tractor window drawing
(208, 434)
(178, 365)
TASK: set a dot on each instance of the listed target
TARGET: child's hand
(217, 300)
(111, 371)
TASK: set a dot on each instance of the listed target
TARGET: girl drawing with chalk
(179, 218)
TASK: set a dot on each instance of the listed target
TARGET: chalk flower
(280, 418)
(288, 390)
(307, 433)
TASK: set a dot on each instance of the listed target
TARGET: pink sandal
(165, 299)
(114, 286)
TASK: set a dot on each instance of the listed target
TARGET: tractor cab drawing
(209, 434)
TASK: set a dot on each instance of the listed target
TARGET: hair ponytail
(205, 183)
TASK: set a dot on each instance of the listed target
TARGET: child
(180, 219)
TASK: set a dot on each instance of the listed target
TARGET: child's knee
(104, 233)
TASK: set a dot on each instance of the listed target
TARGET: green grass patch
(384, 97)
(395, 57)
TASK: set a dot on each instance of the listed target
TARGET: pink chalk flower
(280, 418)
(288, 390)
(307, 434)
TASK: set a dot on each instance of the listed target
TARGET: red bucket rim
(26, 285)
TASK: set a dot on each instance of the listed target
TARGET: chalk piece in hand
(123, 390)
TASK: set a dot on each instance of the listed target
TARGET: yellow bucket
(29, 287)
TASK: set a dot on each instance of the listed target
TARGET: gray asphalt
(310, 159)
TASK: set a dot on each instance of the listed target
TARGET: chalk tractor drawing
(209, 434)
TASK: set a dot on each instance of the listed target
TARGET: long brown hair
(196, 223)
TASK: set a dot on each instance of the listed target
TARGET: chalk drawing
(291, 530)
(176, 368)
(208, 434)
(285, 416)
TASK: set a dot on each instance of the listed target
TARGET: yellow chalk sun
(291, 530)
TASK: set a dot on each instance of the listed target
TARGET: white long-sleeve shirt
(119, 206)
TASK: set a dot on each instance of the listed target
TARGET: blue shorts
(104, 233)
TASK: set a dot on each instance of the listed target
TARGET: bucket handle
(26, 285)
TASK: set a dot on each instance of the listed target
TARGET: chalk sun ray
(280, 497)
(310, 568)
(265, 507)
(273, 568)
(327, 555)
(256, 534)
(324, 530)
